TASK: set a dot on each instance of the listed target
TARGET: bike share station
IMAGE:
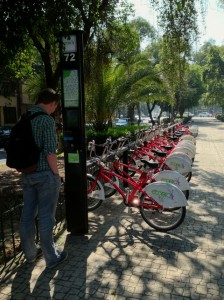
(73, 111)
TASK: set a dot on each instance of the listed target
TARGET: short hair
(47, 96)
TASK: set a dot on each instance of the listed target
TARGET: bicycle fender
(166, 194)
(189, 138)
(181, 154)
(99, 194)
(178, 164)
(194, 130)
(173, 177)
(186, 150)
(187, 143)
(187, 146)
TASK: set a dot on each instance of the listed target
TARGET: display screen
(71, 119)
(71, 88)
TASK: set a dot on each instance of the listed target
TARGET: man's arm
(52, 161)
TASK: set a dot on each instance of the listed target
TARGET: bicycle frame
(152, 174)
(105, 174)
(131, 198)
(165, 195)
(147, 175)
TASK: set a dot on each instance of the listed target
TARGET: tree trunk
(131, 113)
(150, 109)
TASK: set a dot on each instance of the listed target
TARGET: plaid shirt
(45, 136)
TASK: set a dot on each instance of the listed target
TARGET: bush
(220, 117)
(165, 121)
(113, 132)
(186, 119)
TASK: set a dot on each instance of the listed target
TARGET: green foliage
(210, 60)
(113, 132)
(177, 20)
(125, 41)
(220, 117)
(185, 119)
(145, 30)
(112, 85)
(165, 121)
(195, 88)
(26, 63)
(39, 23)
(213, 75)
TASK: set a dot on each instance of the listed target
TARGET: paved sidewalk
(123, 258)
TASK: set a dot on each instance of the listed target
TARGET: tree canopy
(40, 22)
(117, 70)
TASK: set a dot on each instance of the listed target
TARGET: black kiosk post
(73, 111)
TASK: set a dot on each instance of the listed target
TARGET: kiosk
(73, 112)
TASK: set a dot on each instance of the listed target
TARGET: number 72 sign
(69, 57)
(69, 48)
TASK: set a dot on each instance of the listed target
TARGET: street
(2, 156)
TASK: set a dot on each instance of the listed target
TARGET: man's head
(48, 99)
(47, 96)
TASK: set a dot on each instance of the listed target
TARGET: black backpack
(22, 152)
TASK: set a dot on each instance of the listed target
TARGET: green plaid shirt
(44, 132)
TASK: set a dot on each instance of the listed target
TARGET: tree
(177, 20)
(145, 30)
(103, 54)
(213, 76)
(194, 91)
(116, 86)
(40, 22)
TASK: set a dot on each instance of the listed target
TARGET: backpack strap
(31, 116)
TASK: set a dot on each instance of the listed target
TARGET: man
(41, 188)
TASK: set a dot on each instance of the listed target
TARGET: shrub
(113, 132)
(220, 117)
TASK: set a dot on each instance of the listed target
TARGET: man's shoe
(63, 256)
(39, 253)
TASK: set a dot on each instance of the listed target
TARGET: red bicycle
(177, 161)
(162, 205)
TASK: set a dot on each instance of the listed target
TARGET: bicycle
(173, 161)
(162, 205)
(154, 174)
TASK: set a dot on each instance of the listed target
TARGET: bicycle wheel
(161, 220)
(94, 189)
(109, 190)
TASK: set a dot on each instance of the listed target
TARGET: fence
(11, 203)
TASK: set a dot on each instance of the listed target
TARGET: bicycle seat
(167, 147)
(173, 138)
(160, 153)
(150, 164)
(178, 133)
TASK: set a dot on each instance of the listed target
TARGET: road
(2, 157)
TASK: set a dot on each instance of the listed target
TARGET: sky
(212, 29)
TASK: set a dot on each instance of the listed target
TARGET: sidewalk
(123, 258)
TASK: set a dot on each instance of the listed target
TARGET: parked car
(5, 130)
(145, 121)
(204, 114)
(121, 122)
(4, 135)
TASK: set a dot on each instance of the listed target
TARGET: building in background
(13, 102)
